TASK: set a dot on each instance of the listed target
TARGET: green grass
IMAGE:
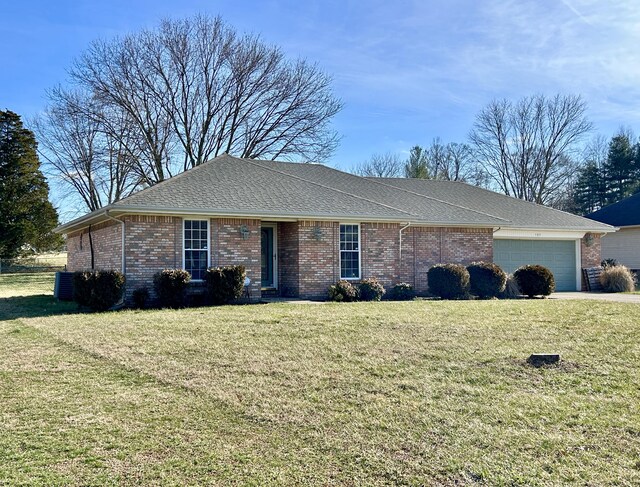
(416, 393)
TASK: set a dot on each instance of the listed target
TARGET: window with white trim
(350, 251)
(196, 247)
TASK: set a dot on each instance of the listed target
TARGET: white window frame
(359, 252)
(184, 249)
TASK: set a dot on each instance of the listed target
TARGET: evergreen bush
(171, 287)
(448, 281)
(487, 280)
(370, 290)
(535, 280)
(402, 292)
(225, 284)
(140, 297)
(98, 290)
(343, 291)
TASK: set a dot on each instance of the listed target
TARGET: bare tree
(96, 163)
(451, 162)
(388, 165)
(528, 147)
(197, 83)
(117, 76)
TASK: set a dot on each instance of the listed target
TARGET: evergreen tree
(588, 193)
(27, 218)
(621, 169)
(417, 164)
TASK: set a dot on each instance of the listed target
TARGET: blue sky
(407, 71)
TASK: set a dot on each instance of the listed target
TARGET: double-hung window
(196, 247)
(350, 251)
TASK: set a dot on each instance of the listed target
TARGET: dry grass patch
(363, 393)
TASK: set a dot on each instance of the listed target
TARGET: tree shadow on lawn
(33, 306)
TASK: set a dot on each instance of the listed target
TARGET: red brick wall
(152, 243)
(308, 252)
(590, 253)
(288, 264)
(422, 247)
(380, 252)
(230, 248)
(318, 257)
(107, 248)
(428, 250)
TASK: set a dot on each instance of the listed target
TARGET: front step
(270, 292)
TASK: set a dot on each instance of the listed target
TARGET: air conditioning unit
(63, 289)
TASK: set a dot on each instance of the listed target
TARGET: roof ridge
(377, 181)
(255, 162)
(504, 196)
(521, 200)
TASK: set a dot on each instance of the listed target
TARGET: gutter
(82, 222)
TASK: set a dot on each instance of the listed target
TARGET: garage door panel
(558, 255)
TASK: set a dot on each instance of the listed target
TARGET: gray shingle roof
(520, 214)
(230, 186)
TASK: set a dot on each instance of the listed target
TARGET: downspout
(400, 249)
(93, 262)
(123, 266)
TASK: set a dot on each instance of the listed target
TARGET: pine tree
(27, 218)
(588, 190)
(417, 165)
(621, 168)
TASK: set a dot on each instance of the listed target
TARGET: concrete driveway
(616, 297)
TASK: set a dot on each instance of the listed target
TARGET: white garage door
(559, 256)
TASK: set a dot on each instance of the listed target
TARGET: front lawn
(420, 392)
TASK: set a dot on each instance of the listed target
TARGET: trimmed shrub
(535, 280)
(511, 289)
(402, 292)
(487, 280)
(617, 279)
(370, 290)
(225, 284)
(343, 291)
(448, 281)
(608, 263)
(171, 287)
(82, 287)
(140, 297)
(98, 290)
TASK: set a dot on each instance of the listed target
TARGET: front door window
(267, 257)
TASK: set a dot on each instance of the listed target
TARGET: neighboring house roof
(229, 186)
(624, 213)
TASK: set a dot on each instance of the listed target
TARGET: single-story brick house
(298, 228)
(623, 245)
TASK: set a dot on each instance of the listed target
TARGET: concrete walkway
(615, 297)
